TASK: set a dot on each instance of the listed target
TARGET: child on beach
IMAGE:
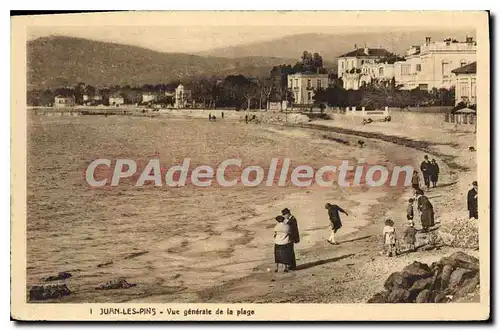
(409, 210)
(410, 236)
(389, 237)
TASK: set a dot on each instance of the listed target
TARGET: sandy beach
(182, 245)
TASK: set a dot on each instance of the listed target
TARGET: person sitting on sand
(336, 223)
(389, 238)
(294, 233)
(282, 244)
(410, 236)
(415, 180)
(426, 210)
(409, 210)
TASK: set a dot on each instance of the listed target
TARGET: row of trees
(379, 95)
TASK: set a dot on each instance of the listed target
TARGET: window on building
(445, 69)
(381, 71)
(418, 67)
(296, 82)
(362, 62)
(342, 64)
(464, 89)
(405, 69)
(318, 83)
(352, 64)
(308, 83)
(473, 88)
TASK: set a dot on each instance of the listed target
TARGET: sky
(192, 39)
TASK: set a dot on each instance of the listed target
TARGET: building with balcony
(430, 64)
(355, 67)
(465, 84)
(303, 85)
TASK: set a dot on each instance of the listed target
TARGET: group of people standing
(430, 172)
(286, 235)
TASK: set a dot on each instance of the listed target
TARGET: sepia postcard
(250, 166)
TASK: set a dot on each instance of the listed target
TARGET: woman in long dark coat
(283, 249)
(434, 172)
(426, 210)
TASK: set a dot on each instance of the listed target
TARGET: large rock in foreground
(49, 291)
(451, 278)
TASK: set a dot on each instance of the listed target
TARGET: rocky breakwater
(449, 280)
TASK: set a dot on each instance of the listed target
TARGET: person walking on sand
(434, 173)
(389, 238)
(335, 221)
(426, 210)
(472, 201)
(282, 245)
(425, 167)
(410, 236)
(209, 116)
(222, 115)
(409, 210)
(415, 180)
(294, 233)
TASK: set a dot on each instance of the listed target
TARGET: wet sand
(200, 244)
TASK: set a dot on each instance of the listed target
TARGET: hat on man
(285, 211)
(474, 183)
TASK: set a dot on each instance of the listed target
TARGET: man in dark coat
(294, 233)
(336, 223)
(434, 173)
(472, 201)
(425, 167)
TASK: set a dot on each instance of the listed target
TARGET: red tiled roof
(360, 52)
(466, 69)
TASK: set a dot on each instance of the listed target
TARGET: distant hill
(330, 46)
(64, 61)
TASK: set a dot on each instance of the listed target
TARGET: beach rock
(380, 297)
(416, 271)
(423, 296)
(468, 286)
(396, 279)
(60, 276)
(458, 277)
(48, 291)
(419, 286)
(398, 295)
(115, 284)
(445, 276)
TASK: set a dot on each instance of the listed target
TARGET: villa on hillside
(303, 86)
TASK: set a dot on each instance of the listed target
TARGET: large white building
(303, 86)
(429, 65)
(363, 65)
